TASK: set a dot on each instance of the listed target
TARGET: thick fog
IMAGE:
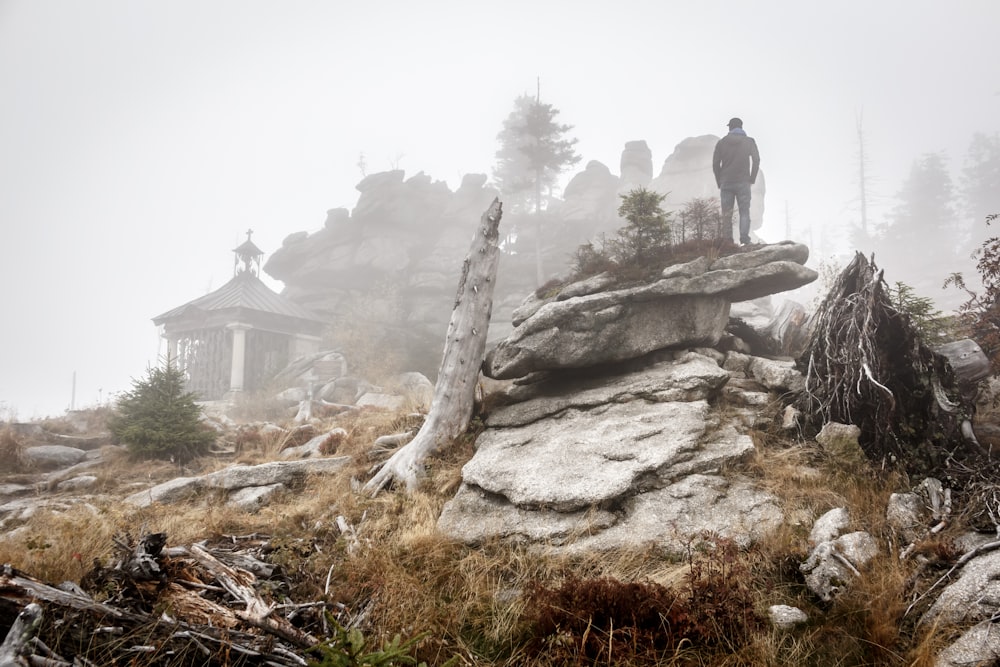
(140, 140)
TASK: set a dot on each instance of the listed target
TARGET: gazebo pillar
(174, 352)
(237, 374)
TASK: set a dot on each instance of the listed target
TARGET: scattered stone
(841, 441)
(777, 375)
(389, 402)
(784, 617)
(252, 498)
(833, 564)
(790, 418)
(830, 525)
(905, 514)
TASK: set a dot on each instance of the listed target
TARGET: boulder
(784, 617)
(380, 401)
(973, 597)
(414, 387)
(688, 308)
(692, 377)
(50, 457)
(594, 461)
(252, 498)
(978, 646)
(237, 477)
(78, 483)
(603, 328)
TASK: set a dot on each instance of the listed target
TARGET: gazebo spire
(247, 257)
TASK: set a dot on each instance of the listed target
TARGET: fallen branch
(19, 587)
(257, 612)
(21, 632)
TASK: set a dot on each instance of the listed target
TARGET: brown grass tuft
(12, 459)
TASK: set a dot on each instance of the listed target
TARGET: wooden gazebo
(237, 337)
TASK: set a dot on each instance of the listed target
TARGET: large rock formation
(587, 324)
(613, 437)
(605, 461)
(390, 266)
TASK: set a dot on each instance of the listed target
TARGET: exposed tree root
(866, 365)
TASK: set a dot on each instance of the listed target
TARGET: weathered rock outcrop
(613, 437)
(609, 460)
(239, 479)
(391, 264)
(589, 323)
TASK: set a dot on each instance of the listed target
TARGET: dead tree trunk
(454, 393)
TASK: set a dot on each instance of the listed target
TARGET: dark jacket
(736, 159)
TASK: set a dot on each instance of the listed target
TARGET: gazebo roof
(245, 294)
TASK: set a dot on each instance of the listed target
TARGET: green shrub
(980, 314)
(157, 419)
(646, 238)
(930, 323)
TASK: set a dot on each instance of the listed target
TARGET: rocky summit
(620, 429)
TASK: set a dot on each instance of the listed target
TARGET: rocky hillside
(636, 484)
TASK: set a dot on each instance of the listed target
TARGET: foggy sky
(139, 140)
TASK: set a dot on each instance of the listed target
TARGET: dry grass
(402, 577)
(12, 458)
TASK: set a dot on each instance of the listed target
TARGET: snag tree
(465, 345)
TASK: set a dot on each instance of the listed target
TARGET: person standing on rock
(735, 163)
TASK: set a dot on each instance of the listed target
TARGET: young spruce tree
(157, 419)
(646, 238)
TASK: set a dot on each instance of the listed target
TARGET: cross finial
(249, 233)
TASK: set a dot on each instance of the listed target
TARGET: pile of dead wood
(191, 605)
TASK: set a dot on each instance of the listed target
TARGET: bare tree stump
(465, 345)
